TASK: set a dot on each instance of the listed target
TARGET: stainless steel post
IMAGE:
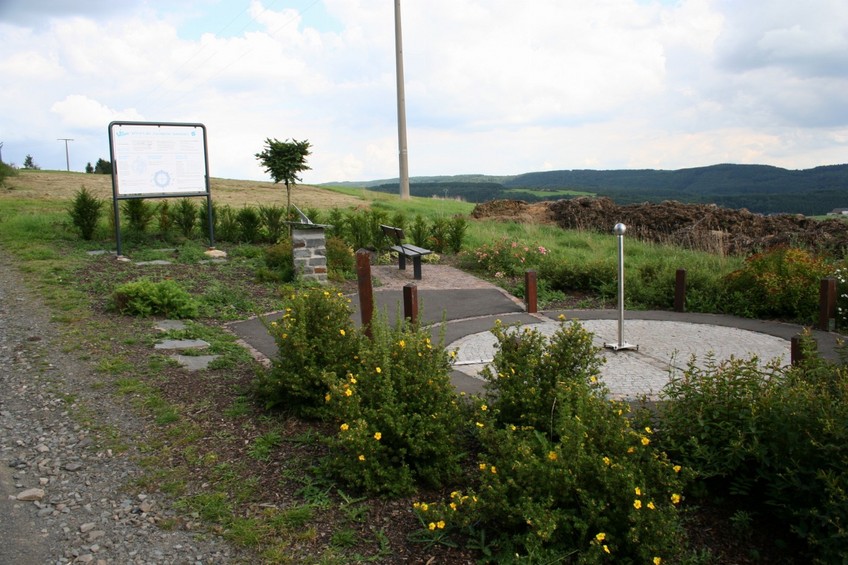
(619, 230)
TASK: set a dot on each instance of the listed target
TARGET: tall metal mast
(401, 104)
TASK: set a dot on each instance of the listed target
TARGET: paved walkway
(465, 308)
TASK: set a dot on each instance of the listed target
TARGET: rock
(31, 494)
(215, 253)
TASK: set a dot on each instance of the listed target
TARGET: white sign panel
(158, 159)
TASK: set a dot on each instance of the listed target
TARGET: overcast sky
(492, 86)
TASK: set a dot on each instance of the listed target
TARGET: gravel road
(65, 497)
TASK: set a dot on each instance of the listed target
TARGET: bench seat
(405, 250)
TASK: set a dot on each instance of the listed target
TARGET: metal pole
(619, 230)
(401, 108)
(67, 155)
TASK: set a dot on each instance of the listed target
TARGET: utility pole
(67, 155)
(1, 151)
(401, 104)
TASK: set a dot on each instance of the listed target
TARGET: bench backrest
(394, 234)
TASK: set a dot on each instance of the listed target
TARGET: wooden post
(410, 303)
(827, 303)
(680, 291)
(530, 292)
(366, 291)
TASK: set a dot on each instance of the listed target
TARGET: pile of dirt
(697, 226)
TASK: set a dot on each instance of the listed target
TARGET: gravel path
(65, 497)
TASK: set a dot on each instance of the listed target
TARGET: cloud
(80, 112)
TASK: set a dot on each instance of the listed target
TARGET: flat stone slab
(664, 349)
(181, 344)
(154, 262)
(169, 325)
(97, 252)
(194, 362)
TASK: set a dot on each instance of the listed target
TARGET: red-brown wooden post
(530, 292)
(827, 303)
(410, 303)
(796, 352)
(366, 291)
(680, 291)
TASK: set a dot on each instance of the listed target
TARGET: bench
(405, 250)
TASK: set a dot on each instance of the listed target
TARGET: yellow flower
(484, 408)
(378, 436)
(657, 560)
(606, 549)
(402, 344)
(431, 526)
(637, 504)
(593, 379)
(352, 380)
(424, 507)
(648, 430)
(607, 461)
(645, 441)
(440, 524)
(379, 370)
(327, 397)
(494, 470)
(651, 505)
(479, 424)
(631, 450)
(675, 498)
(453, 506)
(452, 354)
(600, 536)
(638, 491)
(677, 468)
(348, 392)
(362, 458)
(344, 427)
(552, 455)
(483, 466)
(342, 332)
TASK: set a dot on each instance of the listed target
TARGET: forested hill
(759, 188)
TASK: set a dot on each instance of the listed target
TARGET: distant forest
(759, 188)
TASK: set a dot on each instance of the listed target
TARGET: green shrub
(166, 223)
(456, 233)
(249, 224)
(506, 258)
(561, 471)
(772, 441)
(358, 230)
(6, 171)
(337, 222)
(184, 216)
(317, 344)
(85, 212)
(144, 297)
(279, 263)
(203, 215)
(400, 424)
(341, 261)
(139, 213)
(419, 231)
(228, 228)
(273, 219)
(780, 283)
(841, 276)
(439, 230)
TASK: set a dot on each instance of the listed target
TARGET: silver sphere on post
(619, 229)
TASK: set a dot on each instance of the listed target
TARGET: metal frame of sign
(158, 160)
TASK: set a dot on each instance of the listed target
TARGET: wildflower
(480, 424)
(362, 458)
(352, 380)
(631, 449)
(483, 466)
(593, 379)
(637, 504)
(606, 549)
(342, 332)
(677, 468)
(607, 461)
(561, 317)
(638, 491)
(494, 470)
(452, 354)
(651, 505)
(402, 344)
(453, 506)
(600, 536)
(440, 524)
(378, 370)
(645, 441)
(344, 427)
(552, 455)
(675, 498)
(648, 430)
(327, 397)
(657, 560)
(484, 408)
(378, 436)
(431, 526)
(348, 392)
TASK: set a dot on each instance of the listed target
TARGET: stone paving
(664, 349)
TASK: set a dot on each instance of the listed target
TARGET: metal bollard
(619, 230)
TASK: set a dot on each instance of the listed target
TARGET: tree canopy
(284, 161)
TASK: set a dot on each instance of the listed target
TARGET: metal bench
(405, 250)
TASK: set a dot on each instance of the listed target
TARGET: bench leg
(416, 268)
(401, 262)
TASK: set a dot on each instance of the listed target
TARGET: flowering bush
(317, 343)
(780, 283)
(506, 258)
(398, 416)
(561, 471)
(841, 276)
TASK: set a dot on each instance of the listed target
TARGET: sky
(493, 87)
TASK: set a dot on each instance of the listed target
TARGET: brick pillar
(310, 254)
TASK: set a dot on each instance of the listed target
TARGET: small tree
(103, 167)
(88, 168)
(29, 163)
(285, 160)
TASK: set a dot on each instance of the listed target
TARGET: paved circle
(664, 348)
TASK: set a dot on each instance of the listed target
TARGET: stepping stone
(194, 362)
(169, 325)
(207, 261)
(100, 252)
(215, 253)
(181, 344)
(154, 262)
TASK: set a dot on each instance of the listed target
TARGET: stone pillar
(310, 254)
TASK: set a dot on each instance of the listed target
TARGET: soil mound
(698, 226)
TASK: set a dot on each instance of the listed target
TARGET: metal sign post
(619, 230)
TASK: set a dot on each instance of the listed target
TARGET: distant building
(838, 212)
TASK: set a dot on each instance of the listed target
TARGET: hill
(759, 188)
